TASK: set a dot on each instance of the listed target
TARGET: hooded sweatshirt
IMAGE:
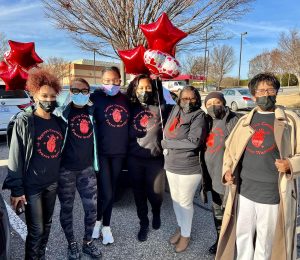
(145, 130)
(185, 135)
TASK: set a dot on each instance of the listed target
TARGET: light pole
(94, 66)
(241, 46)
(205, 50)
(207, 68)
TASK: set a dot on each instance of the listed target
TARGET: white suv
(11, 102)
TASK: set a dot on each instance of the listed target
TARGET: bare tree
(106, 26)
(221, 62)
(193, 65)
(289, 44)
(261, 63)
(57, 66)
(3, 45)
(279, 66)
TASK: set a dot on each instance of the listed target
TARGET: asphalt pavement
(125, 226)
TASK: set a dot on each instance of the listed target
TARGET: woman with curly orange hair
(34, 160)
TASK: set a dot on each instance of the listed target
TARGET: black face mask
(48, 106)
(266, 103)
(187, 107)
(145, 97)
(216, 111)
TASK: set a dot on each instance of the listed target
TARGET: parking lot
(124, 225)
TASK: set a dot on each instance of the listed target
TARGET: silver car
(11, 102)
(238, 98)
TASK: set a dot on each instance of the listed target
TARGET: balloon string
(160, 111)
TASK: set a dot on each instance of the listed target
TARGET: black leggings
(148, 181)
(107, 177)
(38, 214)
(218, 210)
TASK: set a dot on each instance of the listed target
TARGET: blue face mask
(111, 90)
(80, 99)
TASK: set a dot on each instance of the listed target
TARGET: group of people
(249, 163)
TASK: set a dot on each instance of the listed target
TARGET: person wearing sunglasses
(77, 172)
(185, 134)
(111, 115)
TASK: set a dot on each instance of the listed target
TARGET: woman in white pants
(184, 137)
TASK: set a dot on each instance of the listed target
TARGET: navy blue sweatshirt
(112, 117)
(145, 130)
(185, 136)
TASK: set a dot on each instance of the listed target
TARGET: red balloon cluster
(17, 61)
(162, 37)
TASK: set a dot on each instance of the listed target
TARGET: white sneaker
(97, 228)
(107, 236)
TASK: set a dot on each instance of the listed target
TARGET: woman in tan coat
(254, 196)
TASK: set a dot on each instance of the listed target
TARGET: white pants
(183, 188)
(251, 217)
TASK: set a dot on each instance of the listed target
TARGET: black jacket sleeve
(16, 161)
(196, 137)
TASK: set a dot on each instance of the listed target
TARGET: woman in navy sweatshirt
(145, 159)
(112, 115)
(185, 133)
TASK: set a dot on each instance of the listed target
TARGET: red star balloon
(134, 60)
(23, 54)
(3, 67)
(14, 78)
(162, 35)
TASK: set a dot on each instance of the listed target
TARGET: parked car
(238, 98)
(11, 102)
(4, 231)
(210, 88)
(174, 86)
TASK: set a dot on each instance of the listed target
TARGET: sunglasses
(76, 91)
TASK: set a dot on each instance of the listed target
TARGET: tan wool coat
(287, 138)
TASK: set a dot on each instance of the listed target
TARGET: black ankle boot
(156, 222)
(143, 233)
(213, 249)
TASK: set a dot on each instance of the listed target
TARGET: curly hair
(41, 77)
(268, 78)
(156, 88)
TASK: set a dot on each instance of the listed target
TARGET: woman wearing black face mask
(145, 160)
(34, 159)
(221, 122)
(185, 134)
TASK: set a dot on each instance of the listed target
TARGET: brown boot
(175, 238)
(182, 244)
